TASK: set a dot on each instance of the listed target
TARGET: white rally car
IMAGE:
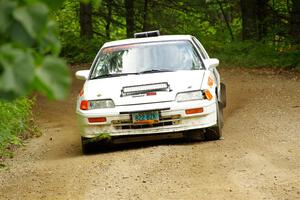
(151, 85)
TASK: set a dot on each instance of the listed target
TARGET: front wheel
(86, 145)
(223, 95)
(215, 132)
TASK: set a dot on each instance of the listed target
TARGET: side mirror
(211, 62)
(82, 74)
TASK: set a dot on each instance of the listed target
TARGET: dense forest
(260, 33)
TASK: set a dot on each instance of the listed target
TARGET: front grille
(163, 121)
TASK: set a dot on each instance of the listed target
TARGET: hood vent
(141, 89)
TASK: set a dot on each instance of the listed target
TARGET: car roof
(147, 39)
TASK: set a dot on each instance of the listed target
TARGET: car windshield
(149, 57)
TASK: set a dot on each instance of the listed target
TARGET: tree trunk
(145, 16)
(86, 27)
(262, 8)
(295, 21)
(226, 20)
(108, 18)
(254, 17)
(129, 17)
(248, 19)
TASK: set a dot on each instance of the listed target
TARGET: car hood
(111, 88)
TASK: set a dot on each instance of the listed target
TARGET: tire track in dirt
(259, 158)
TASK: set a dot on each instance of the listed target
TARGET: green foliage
(203, 19)
(100, 137)
(81, 51)
(27, 39)
(17, 71)
(254, 54)
(15, 119)
(29, 62)
(52, 78)
(74, 48)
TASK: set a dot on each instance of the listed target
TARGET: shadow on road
(110, 148)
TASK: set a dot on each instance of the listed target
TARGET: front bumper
(172, 119)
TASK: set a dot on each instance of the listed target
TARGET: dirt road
(258, 159)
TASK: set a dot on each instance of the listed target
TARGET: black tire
(223, 95)
(194, 135)
(215, 132)
(86, 145)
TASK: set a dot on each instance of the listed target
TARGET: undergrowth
(255, 54)
(77, 51)
(16, 124)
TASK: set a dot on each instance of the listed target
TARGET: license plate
(145, 117)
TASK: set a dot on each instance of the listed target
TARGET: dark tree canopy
(224, 26)
(295, 20)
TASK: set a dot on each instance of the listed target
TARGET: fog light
(193, 111)
(97, 119)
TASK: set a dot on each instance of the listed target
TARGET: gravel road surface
(259, 157)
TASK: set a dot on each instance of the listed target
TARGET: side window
(201, 49)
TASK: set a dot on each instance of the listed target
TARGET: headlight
(190, 96)
(106, 103)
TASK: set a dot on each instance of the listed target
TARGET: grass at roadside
(16, 124)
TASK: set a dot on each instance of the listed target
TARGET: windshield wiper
(113, 75)
(133, 73)
(155, 71)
